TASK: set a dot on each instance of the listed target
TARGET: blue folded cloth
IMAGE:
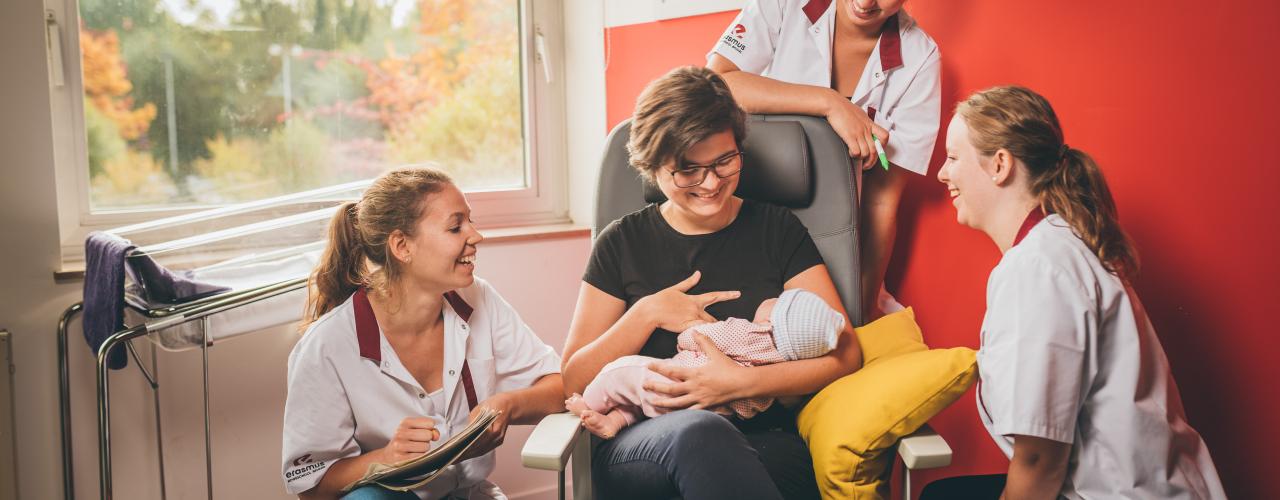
(104, 271)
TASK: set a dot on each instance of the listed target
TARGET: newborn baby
(796, 325)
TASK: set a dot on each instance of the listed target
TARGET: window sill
(73, 271)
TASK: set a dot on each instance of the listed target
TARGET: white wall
(539, 278)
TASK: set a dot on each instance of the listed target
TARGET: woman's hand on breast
(715, 383)
(673, 309)
(497, 431)
(412, 438)
(853, 125)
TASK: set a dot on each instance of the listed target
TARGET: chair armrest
(924, 449)
(552, 441)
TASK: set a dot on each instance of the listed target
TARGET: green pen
(884, 162)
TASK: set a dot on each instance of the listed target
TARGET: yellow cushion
(852, 425)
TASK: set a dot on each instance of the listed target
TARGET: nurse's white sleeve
(913, 122)
(319, 428)
(520, 357)
(1034, 350)
(750, 39)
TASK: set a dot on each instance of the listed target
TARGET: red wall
(1177, 102)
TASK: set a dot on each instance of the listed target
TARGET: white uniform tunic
(900, 87)
(348, 393)
(1068, 354)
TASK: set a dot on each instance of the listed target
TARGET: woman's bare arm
(722, 380)
(602, 331)
(1038, 468)
(759, 94)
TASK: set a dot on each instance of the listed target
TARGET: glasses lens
(729, 166)
(689, 177)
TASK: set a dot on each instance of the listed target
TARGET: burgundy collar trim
(890, 36)
(1032, 219)
(814, 9)
(890, 44)
(367, 325)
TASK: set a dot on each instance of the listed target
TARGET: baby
(796, 325)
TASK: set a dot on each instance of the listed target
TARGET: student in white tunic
(404, 344)
(869, 69)
(1075, 387)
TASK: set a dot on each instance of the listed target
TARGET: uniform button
(450, 372)
(464, 326)
(878, 74)
(421, 395)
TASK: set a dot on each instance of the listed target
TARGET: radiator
(8, 445)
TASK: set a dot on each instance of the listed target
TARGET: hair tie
(353, 211)
(1062, 153)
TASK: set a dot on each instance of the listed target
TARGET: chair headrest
(777, 167)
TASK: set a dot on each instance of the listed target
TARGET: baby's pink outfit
(620, 384)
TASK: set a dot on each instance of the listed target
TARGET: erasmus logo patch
(734, 38)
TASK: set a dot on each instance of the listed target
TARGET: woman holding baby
(702, 256)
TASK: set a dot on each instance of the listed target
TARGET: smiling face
(713, 197)
(967, 176)
(441, 253)
(870, 12)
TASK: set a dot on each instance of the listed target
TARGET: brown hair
(678, 110)
(1066, 180)
(357, 253)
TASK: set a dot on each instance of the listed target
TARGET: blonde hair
(357, 253)
(1066, 180)
(678, 110)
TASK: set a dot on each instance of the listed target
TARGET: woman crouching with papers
(404, 346)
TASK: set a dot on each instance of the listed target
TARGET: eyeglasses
(692, 175)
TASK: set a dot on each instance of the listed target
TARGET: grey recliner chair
(794, 161)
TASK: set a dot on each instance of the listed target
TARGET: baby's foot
(575, 404)
(600, 425)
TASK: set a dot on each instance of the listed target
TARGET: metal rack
(156, 319)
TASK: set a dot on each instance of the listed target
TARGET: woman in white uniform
(869, 69)
(404, 344)
(1075, 388)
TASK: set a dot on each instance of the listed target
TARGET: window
(179, 105)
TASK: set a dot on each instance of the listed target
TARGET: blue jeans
(375, 492)
(696, 455)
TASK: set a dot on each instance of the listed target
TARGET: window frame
(543, 201)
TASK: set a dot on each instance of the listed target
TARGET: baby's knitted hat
(804, 326)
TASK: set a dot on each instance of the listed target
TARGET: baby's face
(764, 311)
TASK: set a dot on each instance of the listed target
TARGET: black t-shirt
(641, 254)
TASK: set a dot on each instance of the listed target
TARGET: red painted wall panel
(1177, 102)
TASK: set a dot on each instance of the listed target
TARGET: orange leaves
(453, 40)
(107, 86)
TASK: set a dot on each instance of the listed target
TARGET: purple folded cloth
(104, 271)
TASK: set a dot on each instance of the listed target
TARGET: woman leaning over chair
(1076, 389)
(403, 344)
(703, 255)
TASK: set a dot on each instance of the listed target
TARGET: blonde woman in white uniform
(1075, 388)
(404, 344)
(869, 69)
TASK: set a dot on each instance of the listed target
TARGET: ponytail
(1066, 180)
(1076, 190)
(342, 266)
(357, 254)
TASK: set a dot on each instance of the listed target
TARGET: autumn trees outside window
(206, 102)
